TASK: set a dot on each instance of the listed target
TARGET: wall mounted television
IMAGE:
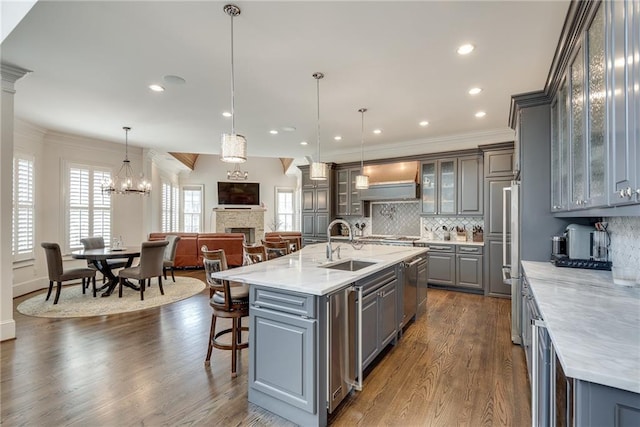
(239, 193)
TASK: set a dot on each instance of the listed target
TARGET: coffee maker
(578, 241)
(581, 246)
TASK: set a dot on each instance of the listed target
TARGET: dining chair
(170, 255)
(58, 274)
(229, 301)
(97, 242)
(295, 243)
(151, 265)
(254, 254)
(276, 249)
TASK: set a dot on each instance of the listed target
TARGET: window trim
(276, 213)
(192, 187)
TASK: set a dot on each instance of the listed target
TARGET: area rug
(73, 303)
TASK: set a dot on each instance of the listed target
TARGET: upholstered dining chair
(295, 243)
(229, 301)
(254, 254)
(97, 242)
(58, 274)
(151, 265)
(170, 255)
(276, 249)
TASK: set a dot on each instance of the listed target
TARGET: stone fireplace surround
(240, 218)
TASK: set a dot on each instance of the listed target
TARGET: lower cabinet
(495, 286)
(456, 266)
(379, 320)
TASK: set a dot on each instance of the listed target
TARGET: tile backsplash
(436, 223)
(625, 240)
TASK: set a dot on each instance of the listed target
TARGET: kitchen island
(593, 330)
(315, 324)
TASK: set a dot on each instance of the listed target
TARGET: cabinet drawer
(441, 248)
(376, 280)
(469, 250)
(287, 302)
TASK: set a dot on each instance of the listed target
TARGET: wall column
(9, 74)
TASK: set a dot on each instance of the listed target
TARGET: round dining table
(99, 257)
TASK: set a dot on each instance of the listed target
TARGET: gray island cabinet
(306, 325)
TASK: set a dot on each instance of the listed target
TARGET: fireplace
(249, 233)
(247, 221)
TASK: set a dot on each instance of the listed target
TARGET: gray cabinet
(494, 212)
(379, 316)
(469, 267)
(560, 150)
(498, 163)
(495, 286)
(317, 206)
(452, 186)
(348, 201)
(598, 405)
(455, 266)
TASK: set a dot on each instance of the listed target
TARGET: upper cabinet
(595, 123)
(452, 186)
(316, 205)
(348, 201)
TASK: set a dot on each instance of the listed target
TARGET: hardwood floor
(455, 366)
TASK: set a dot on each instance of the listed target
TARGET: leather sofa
(188, 253)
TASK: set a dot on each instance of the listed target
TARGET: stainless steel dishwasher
(415, 287)
(341, 352)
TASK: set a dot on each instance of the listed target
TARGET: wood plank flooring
(454, 366)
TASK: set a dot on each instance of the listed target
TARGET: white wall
(267, 171)
(51, 151)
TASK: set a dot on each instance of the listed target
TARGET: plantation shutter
(23, 209)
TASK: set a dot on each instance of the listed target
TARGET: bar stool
(231, 302)
(276, 249)
(254, 254)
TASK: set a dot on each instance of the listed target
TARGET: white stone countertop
(301, 271)
(594, 324)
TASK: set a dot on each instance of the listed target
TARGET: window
(22, 239)
(285, 209)
(169, 207)
(88, 209)
(192, 208)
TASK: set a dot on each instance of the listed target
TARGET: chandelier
(233, 147)
(318, 170)
(124, 182)
(362, 180)
(237, 175)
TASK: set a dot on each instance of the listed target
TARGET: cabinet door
(321, 222)
(284, 357)
(308, 224)
(429, 188)
(560, 150)
(493, 254)
(342, 193)
(322, 200)
(596, 112)
(308, 200)
(469, 271)
(370, 329)
(388, 313)
(447, 189)
(470, 185)
(306, 179)
(493, 202)
(498, 163)
(578, 146)
(442, 268)
(625, 148)
(355, 205)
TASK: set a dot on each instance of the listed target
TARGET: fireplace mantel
(226, 218)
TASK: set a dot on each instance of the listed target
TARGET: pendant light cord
(318, 118)
(126, 143)
(233, 113)
(362, 110)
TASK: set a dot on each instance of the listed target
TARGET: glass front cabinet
(348, 201)
(439, 194)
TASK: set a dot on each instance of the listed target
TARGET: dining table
(99, 257)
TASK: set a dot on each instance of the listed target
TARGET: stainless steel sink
(350, 265)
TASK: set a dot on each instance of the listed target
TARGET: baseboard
(30, 286)
(7, 330)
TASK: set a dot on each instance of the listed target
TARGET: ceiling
(92, 62)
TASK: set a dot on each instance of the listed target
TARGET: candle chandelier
(124, 181)
(237, 175)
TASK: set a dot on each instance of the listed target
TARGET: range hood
(393, 181)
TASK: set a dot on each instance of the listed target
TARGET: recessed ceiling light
(337, 138)
(424, 123)
(273, 132)
(304, 143)
(465, 49)
(156, 88)
(288, 128)
(377, 131)
(475, 91)
(226, 114)
(480, 114)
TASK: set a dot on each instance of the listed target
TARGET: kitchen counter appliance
(415, 288)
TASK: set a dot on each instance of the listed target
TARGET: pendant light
(233, 147)
(362, 180)
(124, 181)
(318, 170)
